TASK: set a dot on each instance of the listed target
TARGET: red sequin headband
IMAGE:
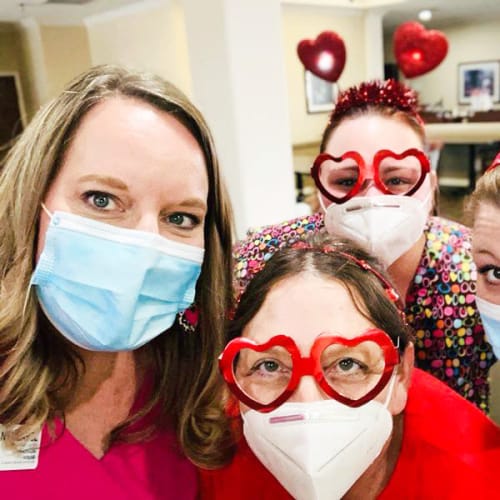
(390, 291)
(494, 164)
(387, 94)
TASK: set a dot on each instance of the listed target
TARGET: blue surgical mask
(490, 316)
(106, 288)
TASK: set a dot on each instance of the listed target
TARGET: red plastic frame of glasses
(307, 365)
(377, 159)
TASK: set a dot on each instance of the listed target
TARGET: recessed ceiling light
(425, 15)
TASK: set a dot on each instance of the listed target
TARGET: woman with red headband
(321, 369)
(376, 188)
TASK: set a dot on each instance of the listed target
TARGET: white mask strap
(46, 210)
(391, 387)
(320, 199)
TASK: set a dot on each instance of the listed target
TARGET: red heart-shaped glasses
(341, 178)
(351, 371)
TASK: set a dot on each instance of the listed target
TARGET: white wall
(147, 36)
(305, 22)
(63, 43)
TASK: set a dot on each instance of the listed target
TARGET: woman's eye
(346, 182)
(345, 366)
(394, 182)
(182, 220)
(100, 200)
(398, 181)
(342, 180)
(348, 365)
(491, 273)
(267, 367)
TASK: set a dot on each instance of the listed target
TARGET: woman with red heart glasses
(320, 366)
(376, 188)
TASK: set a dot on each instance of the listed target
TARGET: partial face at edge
(133, 166)
(486, 251)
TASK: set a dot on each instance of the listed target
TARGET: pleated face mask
(490, 317)
(106, 288)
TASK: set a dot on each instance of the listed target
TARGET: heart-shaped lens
(339, 178)
(400, 175)
(353, 371)
(263, 376)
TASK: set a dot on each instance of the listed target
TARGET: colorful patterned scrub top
(440, 303)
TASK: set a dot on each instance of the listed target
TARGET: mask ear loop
(392, 381)
(28, 291)
(46, 210)
(391, 386)
(320, 200)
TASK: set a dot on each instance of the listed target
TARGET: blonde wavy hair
(487, 191)
(38, 368)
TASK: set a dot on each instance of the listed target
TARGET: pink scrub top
(146, 470)
(66, 470)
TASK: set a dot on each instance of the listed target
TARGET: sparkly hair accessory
(494, 164)
(387, 94)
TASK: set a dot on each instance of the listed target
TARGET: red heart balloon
(325, 56)
(418, 50)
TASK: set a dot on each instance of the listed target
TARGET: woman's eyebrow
(105, 179)
(194, 203)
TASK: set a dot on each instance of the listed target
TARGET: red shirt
(450, 450)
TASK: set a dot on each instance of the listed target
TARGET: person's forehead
(486, 229)
(370, 133)
(302, 307)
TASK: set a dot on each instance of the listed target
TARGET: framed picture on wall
(476, 79)
(321, 95)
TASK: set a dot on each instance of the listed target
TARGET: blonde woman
(483, 210)
(115, 234)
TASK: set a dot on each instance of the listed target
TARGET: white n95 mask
(385, 226)
(317, 450)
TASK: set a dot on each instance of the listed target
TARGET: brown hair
(330, 259)
(389, 99)
(38, 369)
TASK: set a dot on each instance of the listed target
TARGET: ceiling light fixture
(425, 15)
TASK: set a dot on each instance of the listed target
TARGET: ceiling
(61, 11)
(445, 12)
